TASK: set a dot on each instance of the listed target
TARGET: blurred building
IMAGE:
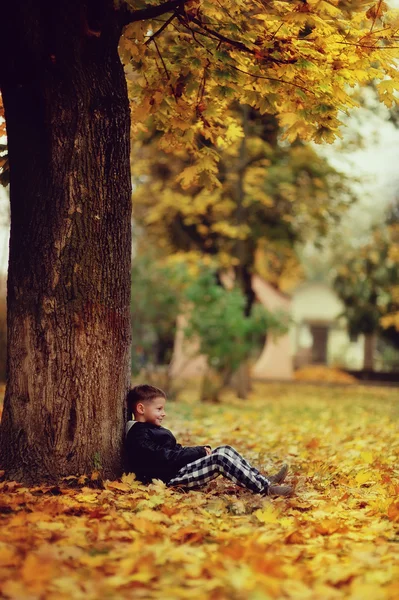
(275, 361)
(319, 333)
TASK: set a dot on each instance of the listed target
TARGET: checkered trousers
(226, 461)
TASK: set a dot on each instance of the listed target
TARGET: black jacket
(151, 452)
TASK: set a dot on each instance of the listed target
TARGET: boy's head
(147, 404)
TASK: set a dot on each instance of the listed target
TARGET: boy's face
(153, 411)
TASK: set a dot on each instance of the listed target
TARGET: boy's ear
(140, 408)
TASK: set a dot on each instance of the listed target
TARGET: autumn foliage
(299, 60)
(336, 538)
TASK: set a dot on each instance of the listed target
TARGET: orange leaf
(393, 511)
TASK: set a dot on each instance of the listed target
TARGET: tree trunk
(68, 292)
(369, 351)
(242, 380)
(213, 382)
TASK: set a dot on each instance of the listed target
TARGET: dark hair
(142, 393)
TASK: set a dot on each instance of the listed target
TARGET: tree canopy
(297, 59)
(270, 195)
(367, 282)
(211, 178)
(186, 60)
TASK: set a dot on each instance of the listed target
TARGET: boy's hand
(208, 450)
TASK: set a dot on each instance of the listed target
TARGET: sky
(375, 165)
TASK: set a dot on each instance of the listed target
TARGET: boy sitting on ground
(152, 452)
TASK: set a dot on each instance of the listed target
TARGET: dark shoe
(280, 490)
(280, 476)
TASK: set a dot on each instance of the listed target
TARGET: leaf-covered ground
(336, 538)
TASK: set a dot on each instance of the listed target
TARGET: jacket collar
(129, 425)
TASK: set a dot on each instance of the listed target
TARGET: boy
(152, 452)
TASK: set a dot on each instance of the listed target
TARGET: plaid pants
(226, 461)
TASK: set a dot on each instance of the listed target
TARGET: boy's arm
(177, 457)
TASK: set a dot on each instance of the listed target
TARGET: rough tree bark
(68, 320)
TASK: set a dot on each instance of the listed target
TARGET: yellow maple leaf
(367, 456)
(188, 177)
(362, 477)
(129, 479)
(268, 514)
(120, 486)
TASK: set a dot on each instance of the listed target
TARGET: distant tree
(157, 299)
(390, 320)
(226, 336)
(367, 283)
(215, 321)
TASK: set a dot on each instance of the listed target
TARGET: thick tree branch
(221, 37)
(177, 7)
(152, 11)
(211, 33)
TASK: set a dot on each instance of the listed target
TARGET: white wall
(315, 301)
(318, 302)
